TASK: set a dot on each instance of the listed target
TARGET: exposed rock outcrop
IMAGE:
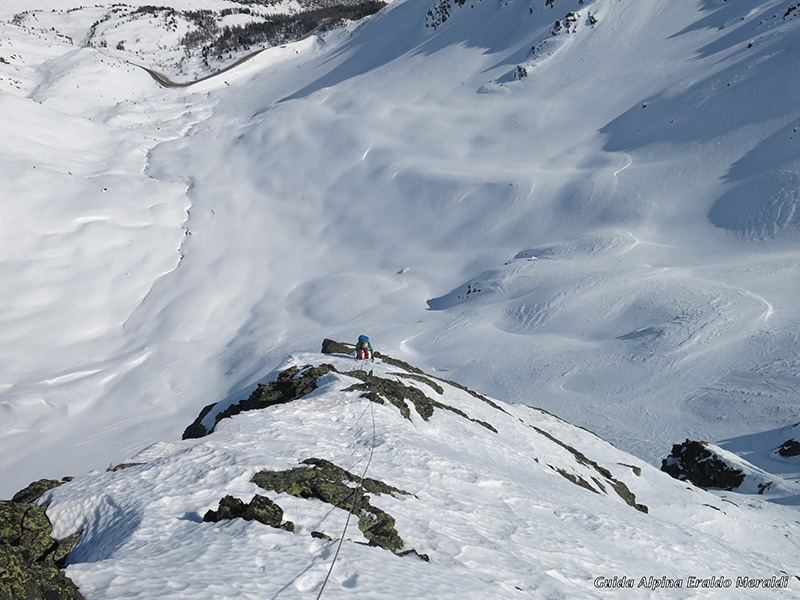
(381, 390)
(692, 461)
(330, 346)
(325, 481)
(291, 384)
(30, 560)
(322, 480)
(618, 486)
(295, 383)
(35, 490)
(260, 509)
(789, 448)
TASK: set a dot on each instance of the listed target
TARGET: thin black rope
(355, 491)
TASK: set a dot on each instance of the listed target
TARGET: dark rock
(333, 347)
(576, 479)
(321, 536)
(421, 378)
(381, 390)
(64, 547)
(626, 494)
(789, 448)
(29, 557)
(474, 394)
(693, 461)
(396, 362)
(229, 508)
(636, 470)
(122, 467)
(286, 388)
(35, 490)
(413, 552)
(197, 429)
(260, 509)
(291, 384)
(294, 383)
(325, 481)
(266, 511)
(619, 487)
(13, 576)
(35, 541)
(322, 480)
(763, 487)
(378, 526)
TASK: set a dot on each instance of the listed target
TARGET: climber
(364, 348)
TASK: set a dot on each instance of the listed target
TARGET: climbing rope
(357, 488)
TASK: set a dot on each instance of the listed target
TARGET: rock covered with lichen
(31, 561)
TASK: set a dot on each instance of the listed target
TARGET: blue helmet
(363, 338)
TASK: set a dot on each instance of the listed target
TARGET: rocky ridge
(282, 467)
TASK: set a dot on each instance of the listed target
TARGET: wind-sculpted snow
(747, 87)
(765, 205)
(536, 508)
(583, 247)
(549, 289)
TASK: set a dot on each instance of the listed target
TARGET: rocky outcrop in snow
(325, 481)
(294, 383)
(789, 448)
(693, 461)
(30, 560)
(260, 509)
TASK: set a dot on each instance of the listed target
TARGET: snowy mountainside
(611, 237)
(503, 501)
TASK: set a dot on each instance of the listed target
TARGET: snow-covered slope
(503, 501)
(612, 237)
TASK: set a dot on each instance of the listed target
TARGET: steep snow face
(580, 237)
(504, 500)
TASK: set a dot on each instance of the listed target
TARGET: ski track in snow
(620, 170)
